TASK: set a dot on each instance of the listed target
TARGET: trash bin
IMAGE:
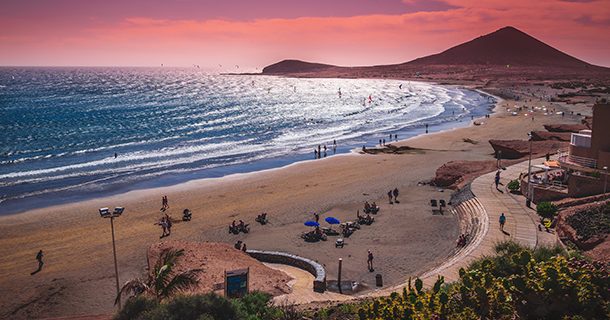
(379, 280)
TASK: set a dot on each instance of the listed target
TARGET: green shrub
(513, 185)
(255, 306)
(136, 307)
(546, 210)
(591, 223)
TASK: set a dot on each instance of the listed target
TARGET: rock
(515, 149)
(563, 127)
(557, 136)
(510, 149)
(454, 174)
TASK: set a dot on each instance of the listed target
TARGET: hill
(505, 54)
(507, 46)
(295, 66)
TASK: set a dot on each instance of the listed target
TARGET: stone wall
(316, 269)
(582, 186)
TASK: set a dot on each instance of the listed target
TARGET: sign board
(237, 283)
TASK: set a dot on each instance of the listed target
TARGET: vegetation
(516, 283)
(513, 186)
(254, 306)
(162, 282)
(546, 210)
(592, 222)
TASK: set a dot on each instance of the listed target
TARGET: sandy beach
(78, 276)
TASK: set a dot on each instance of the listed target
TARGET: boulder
(515, 149)
(564, 127)
(454, 174)
(557, 136)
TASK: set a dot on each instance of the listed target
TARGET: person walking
(369, 261)
(317, 217)
(168, 223)
(497, 179)
(39, 256)
(390, 197)
(502, 221)
(395, 192)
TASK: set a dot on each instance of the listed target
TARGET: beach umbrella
(332, 220)
(312, 224)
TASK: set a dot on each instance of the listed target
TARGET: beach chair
(339, 243)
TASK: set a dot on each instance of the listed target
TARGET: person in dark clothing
(369, 261)
(502, 221)
(39, 256)
(395, 193)
(390, 197)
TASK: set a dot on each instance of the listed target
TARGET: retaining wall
(316, 269)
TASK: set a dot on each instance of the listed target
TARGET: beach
(407, 240)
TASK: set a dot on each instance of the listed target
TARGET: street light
(605, 179)
(528, 199)
(105, 213)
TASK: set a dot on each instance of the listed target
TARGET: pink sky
(253, 34)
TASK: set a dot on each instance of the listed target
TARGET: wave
(61, 128)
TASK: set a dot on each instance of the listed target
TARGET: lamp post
(528, 199)
(605, 179)
(105, 213)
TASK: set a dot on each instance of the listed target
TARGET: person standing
(502, 221)
(369, 261)
(39, 256)
(395, 192)
(317, 217)
(390, 197)
(497, 179)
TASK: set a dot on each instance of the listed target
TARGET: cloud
(354, 40)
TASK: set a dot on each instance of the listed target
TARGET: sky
(246, 35)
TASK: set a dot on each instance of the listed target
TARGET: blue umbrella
(312, 224)
(332, 220)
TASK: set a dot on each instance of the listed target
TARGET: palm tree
(162, 282)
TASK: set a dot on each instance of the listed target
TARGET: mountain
(505, 53)
(294, 66)
(507, 46)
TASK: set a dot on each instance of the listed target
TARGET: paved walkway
(302, 287)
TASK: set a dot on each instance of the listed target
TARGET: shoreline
(18, 206)
(406, 238)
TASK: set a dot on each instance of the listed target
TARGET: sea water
(72, 133)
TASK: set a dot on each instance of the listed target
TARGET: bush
(518, 283)
(136, 307)
(546, 210)
(255, 306)
(591, 223)
(513, 185)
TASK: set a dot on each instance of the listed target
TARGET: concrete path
(302, 287)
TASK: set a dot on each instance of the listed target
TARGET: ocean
(74, 133)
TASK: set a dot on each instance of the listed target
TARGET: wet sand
(78, 276)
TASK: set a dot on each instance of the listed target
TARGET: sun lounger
(339, 243)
